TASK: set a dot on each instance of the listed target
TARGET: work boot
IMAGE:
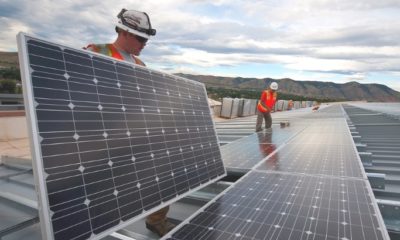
(258, 129)
(161, 228)
(268, 130)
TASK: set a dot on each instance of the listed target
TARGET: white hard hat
(135, 22)
(274, 86)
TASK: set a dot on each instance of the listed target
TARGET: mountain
(351, 91)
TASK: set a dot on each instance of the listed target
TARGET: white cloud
(8, 34)
(357, 77)
(204, 59)
(323, 65)
(312, 37)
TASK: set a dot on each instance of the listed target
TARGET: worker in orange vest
(265, 106)
(290, 105)
(134, 30)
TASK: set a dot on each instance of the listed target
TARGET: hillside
(351, 91)
(8, 60)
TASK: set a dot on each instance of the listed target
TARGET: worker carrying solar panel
(265, 106)
(134, 30)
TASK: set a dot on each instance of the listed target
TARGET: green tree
(219, 93)
(10, 73)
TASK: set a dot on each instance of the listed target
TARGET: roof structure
(18, 200)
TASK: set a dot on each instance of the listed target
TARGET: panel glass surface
(391, 108)
(324, 138)
(332, 160)
(246, 152)
(324, 147)
(285, 206)
(326, 126)
(332, 111)
(115, 140)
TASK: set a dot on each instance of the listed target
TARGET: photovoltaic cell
(246, 152)
(247, 156)
(331, 160)
(111, 140)
(285, 206)
(339, 138)
(323, 148)
(332, 111)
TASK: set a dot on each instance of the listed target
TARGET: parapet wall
(12, 125)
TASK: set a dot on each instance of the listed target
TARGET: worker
(290, 105)
(265, 106)
(134, 30)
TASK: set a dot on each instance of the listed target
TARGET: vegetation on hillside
(219, 93)
(220, 87)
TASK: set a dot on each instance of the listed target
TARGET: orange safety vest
(267, 101)
(110, 50)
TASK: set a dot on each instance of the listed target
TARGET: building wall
(12, 126)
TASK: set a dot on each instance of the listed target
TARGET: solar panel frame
(45, 213)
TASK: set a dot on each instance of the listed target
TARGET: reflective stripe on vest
(111, 51)
(261, 107)
(267, 102)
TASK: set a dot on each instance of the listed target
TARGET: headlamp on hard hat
(132, 22)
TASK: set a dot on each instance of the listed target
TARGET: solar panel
(332, 160)
(326, 125)
(306, 190)
(112, 141)
(339, 138)
(245, 153)
(247, 156)
(324, 147)
(265, 205)
(331, 111)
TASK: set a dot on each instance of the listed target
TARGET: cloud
(342, 37)
(8, 33)
(357, 77)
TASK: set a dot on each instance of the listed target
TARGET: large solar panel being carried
(111, 141)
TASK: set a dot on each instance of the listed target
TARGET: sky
(312, 40)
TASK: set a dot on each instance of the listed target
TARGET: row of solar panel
(312, 187)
